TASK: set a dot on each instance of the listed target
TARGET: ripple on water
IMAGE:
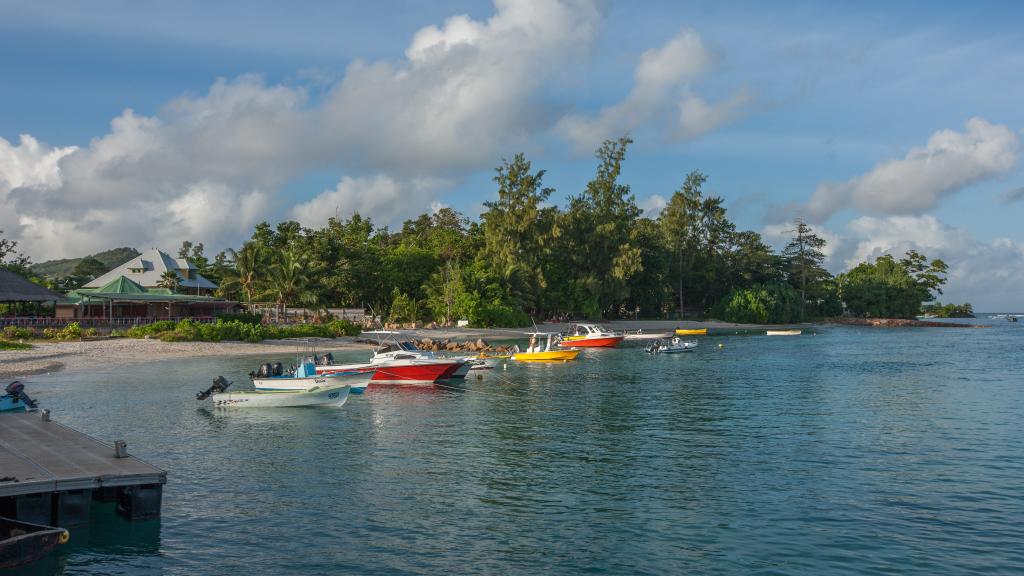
(855, 451)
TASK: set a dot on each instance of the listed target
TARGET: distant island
(939, 310)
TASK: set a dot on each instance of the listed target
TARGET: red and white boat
(404, 363)
(590, 336)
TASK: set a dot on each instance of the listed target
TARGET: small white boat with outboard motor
(327, 394)
(673, 346)
(274, 377)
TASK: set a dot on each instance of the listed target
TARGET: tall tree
(680, 225)
(170, 280)
(247, 272)
(288, 280)
(599, 223)
(518, 230)
(804, 259)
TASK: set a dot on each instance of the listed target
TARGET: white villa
(147, 268)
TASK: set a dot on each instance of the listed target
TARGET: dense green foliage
(949, 310)
(890, 288)
(247, 317)
(761, 304)
(599, 256)
(188, 331)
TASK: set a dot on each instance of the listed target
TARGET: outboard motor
(16, 390)
(220, 384)
(278, 369)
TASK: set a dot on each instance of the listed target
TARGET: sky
(887, 126)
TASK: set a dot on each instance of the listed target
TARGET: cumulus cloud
(463, 93)
(949, 162)
(379, 197)
(209, 167)
(661, 93)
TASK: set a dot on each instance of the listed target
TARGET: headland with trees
(598, 256)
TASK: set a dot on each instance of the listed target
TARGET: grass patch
(8, 345)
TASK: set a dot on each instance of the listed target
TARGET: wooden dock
(48, 469)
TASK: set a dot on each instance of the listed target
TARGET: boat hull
(399, 373)
(601, 342)
(783, 332)
(550, 356)
(651, 336)
(22, 542)
(323, 396)
(357, 378)
(691, 332)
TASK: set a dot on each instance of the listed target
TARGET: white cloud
(949, 162)
(661, 94)
(463, 94)
(653, 205)
(208, 167)
(380, 197)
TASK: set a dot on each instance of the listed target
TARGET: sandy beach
(46, 357)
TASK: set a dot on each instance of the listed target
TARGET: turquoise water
(851, 451)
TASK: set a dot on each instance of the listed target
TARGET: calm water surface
(851, 451)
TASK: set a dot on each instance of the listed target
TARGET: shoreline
(50, 357)
(47, 357)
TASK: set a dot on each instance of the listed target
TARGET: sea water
(841, 451)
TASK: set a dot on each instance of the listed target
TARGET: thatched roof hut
(14, 288)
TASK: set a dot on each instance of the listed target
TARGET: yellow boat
(537, 352)
(691, 332)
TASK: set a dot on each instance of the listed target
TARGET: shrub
(7, 345)
(70, 332)
(155, 328)
(244, 317)
(89, 332)
(498, 315)
(760, 304)
(18, 333)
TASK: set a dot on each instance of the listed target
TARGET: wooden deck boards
(38, 456)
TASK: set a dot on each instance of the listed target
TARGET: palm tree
(289, 281)
(170, 280)
(245, 276)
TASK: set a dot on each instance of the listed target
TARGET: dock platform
(49, 473)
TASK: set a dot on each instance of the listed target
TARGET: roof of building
(15, 288)
(123, 289)
(147, 268)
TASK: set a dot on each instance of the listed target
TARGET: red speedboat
(590, 336)
(404, 363)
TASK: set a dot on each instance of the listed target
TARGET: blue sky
(905, 118)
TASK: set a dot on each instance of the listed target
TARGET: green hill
(60, 268)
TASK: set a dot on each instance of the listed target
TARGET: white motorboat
(783, 332)
(673, 346)
(326, 395)
(640, 335)
(273, 377)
